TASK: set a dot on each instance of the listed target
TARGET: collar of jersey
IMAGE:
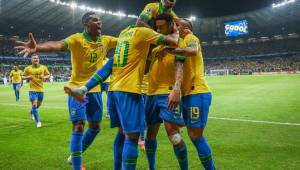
(162, 9)
(88, 37)
(36, 66)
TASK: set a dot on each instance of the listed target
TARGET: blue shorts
(144, 97)
(33, 95)
(104, 87)
(127, 111)
(90, 110)
(157, 111)
(195, 109)
(16, 85)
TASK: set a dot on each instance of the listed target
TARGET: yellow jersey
(193, 70)
(16, 76)
(162, 71)
(152, 10)
(36, 83)
(87, 56)
(130, 58)
(145, 84)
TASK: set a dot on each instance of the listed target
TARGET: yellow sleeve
(46, 71)
(26, 71)
(71, 42)
(151, 36)
(192, 41)
(10, 74)
(180, 45)
(112, 42)
(174, 15)
(147, 13)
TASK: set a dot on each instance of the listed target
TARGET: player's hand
(26, 48)
(173, 99)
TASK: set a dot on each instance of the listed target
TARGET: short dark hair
(190, 24)
(86, 17)
(165, 16)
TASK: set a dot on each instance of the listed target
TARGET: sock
(88, 138)
(34, 111)
(181, 154)
(76, 150)
(118, 149)
(101, 75)
(204, 153)
(130, 154)
(151, 146)
(142, 135)
(18, 95)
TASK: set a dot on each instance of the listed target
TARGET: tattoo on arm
(178, 75)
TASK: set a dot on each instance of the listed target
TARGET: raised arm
(30, 47)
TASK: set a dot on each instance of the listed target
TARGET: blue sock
(101, 75)
(181, 154)
(17, 95)
(204, 153)
(118, 149)
(88, 138)
(35, 111)
(151, 146)
(130, 154)
(76, 150)
(142, 135)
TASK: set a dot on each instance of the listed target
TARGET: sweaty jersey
(162, 71)
(130, 58)
(16, 76)
(152, 10)
(87, 56)
(193, 70)
(36, 83)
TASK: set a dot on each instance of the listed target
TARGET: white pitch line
(216, 118)
(256, 121)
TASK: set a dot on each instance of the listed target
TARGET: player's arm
(190, 48)
(26, 75)
(145, 17)
(174, 97)
(46, 75)
(30, 47)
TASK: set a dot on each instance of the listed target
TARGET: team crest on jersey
(148, 11)
(101, 47)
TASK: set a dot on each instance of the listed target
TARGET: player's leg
(120, 137)
(17, 91)
(172, 121)
(131, 114)
(179, 146)
(153, 122)
(94, 116)
(34, 106)
(151, 145)
(196, 113)
(77, 111)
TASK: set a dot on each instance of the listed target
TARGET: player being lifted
(127, 109)
(196, 98)
(87, 52)
(152, 10)
(165, 76)
(16, 80)
(36, 74)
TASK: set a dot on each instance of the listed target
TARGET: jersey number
(93, 58)
(122, 54)
(194, 113)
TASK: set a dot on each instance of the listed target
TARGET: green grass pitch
(239, 141)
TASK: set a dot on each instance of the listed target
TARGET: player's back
(130, 58)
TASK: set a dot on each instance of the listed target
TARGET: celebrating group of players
(161, 50)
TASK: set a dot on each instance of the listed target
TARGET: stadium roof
(44, 18)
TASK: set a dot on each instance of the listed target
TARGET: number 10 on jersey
(121, 54)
